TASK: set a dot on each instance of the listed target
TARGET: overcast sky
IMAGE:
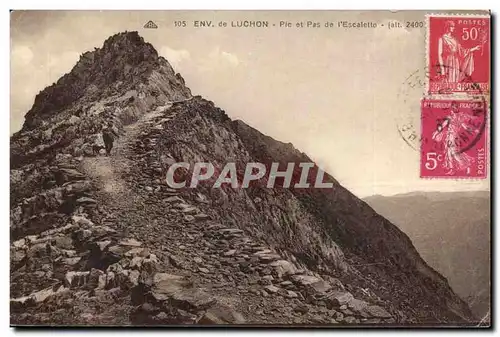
(333, 93)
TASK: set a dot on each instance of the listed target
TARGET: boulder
(130, 243)
(73, 120)
(19, 243)
(189, 218)
(377, 311)
(86, 201)
(87, 150)
(76, 278)
(94, 277)
(39, 250)
(177, 291)
(149, 264)
(201, 216)
(357, 306)
(82, 221)
(101, 282)
(38, 296)
(301, 308)
(63, 242)
(100, 231)
(70, 261)
(103, 244)
(263, 252)
(221, 314)
(190, 210)
(134, 277)
(143, 252)
(320, 287)
(17, 255)
(184, 317)
(173, 200)
(339, 298)
(349, 320)
(136, 262)
(77, 187)
(266, 258)
(229, 252)
(230, 231)
(58, 230)
(64, 175)
(192, 300)
(165, 285)
(161, 318)
(271, 289)
(119, 250)
(82, 235)
(176, 261)
(304, 280)
(283, 267)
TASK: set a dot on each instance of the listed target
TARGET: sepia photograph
(296, 169)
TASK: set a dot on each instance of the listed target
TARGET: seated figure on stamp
(455, 61)
(450, 131)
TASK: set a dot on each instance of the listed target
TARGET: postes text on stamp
(453, 139)
(458, 54)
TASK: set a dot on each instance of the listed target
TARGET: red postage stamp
(458, 54)
(453, 143)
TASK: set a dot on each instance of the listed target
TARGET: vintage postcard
(250, 168)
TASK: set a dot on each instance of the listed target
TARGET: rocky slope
(104, 240)
(452, 233)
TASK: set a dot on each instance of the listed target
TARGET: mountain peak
(129, 42)
(126, 36)
(123, 62)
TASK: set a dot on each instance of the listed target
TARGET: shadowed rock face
(104, 240)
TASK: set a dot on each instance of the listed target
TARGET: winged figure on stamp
(455, 61)
(449, 132)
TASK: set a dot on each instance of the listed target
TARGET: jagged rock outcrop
(104, 240)
(118, 82)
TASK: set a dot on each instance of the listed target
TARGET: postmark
(453, 138)
(458, 54)
(410, 94)
(411, 91)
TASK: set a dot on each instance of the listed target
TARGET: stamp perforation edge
(458, 96)
(487, 144)
(427, 48)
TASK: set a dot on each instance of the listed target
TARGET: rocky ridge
(104, 241)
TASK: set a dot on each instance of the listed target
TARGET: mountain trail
(188, 243)
(107, 170)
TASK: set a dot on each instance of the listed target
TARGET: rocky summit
(103, 240)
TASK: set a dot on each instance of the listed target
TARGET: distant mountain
(451, 231)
